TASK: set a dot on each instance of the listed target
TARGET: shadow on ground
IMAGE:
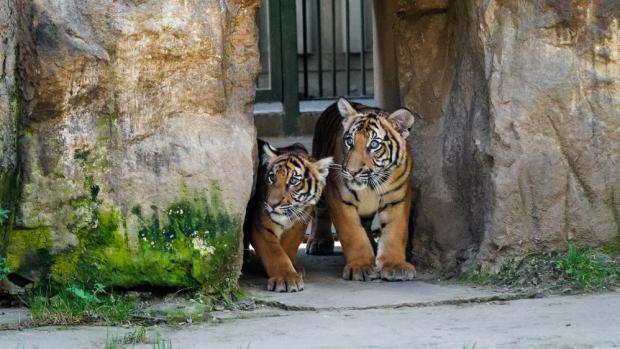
(326, 290)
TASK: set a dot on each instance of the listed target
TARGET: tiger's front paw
(320, 246)
(289, 282)
(359, 272)
(398, 271)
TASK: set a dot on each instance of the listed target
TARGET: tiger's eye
(348, 141)
(271, 178)
(293, 181)
(374, 145)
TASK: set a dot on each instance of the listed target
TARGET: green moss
(9, 177)
(193, 243)
(28, 251)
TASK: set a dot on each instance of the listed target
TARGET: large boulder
(137, 143)
(518, 148)
(9, 110)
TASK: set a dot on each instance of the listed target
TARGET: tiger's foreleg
(321, 241)
(290, 242)
(391, 257)
(282, 274)
(356, 246)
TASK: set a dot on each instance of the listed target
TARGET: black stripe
(276, 223)
(270, 231)
(406, 171)
(352, 192)
(348, 203)
(393, 190)
(393, 203)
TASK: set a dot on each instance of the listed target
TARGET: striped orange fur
(289, 183)
(371, 176)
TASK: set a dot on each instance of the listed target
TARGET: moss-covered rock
(193, 242)
(10, 109)
(137, 143)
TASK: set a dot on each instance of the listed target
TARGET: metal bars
(347, 41)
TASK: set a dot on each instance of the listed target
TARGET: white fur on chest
(285, 225)
(368, 202)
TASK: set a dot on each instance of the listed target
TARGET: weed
(590, 269)
(4, 269)
(161, 343)
(470, 346)
(577, 268)
(137, 336)
(74, 304)
(112, 342)
(4, 215)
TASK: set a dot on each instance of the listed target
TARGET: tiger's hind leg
(321, 241)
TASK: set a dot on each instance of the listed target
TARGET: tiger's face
(294, 181)
(373, 143)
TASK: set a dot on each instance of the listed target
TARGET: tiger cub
(374, 177)
(288, 185)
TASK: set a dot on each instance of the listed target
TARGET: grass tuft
(112, 342)
(73, 304)
(577, 268)
(136, 336)
(161, 343)
(588, 268)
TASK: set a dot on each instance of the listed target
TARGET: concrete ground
(333, 313)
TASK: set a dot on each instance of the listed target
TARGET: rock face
(137, 143)
(9, 109)
(519, 146)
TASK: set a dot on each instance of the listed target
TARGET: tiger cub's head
(293, 181)
(373, 143)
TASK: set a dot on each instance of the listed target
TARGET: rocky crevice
(517, 147)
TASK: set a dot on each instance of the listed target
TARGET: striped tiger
(373, 176)
(289, 183)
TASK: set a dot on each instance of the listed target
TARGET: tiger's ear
(269, 154)
(322, 167)
(402, 120)
(345, 108)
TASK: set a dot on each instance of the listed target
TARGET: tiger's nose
(355, 172)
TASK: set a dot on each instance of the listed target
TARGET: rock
(178, 311)
(518, 148)
(9, 110)
(129, 175)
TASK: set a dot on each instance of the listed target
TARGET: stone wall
(518, 148)
(9, 109)
(137, 143)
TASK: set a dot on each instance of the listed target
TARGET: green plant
(590, 269)
(576, 268)
(4, 215)
(161, 343)
(136, 336)
(75, 304)
(4, 269)
(112, 342)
